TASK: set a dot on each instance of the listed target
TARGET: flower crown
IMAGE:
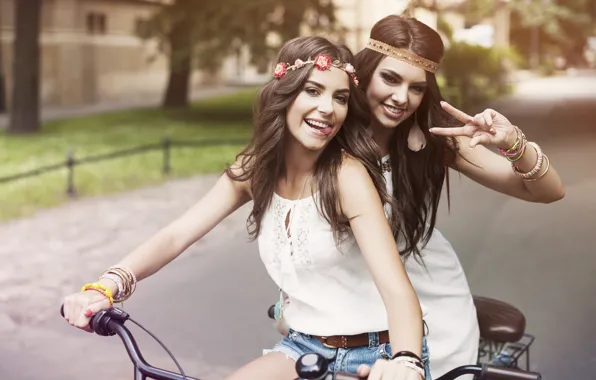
(322, 62)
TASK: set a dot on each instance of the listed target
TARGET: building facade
(91, 53)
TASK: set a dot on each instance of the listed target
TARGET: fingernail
(88, 313)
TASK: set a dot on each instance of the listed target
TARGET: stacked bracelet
(532, 174)
(410, 360)
(125, 280)
(517, 151)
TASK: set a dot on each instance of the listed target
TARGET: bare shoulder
(358, 195)
(351, 170)
(240, 172)
(353, 178)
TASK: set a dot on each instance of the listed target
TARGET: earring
(416, 138)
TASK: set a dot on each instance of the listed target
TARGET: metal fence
(72, 162)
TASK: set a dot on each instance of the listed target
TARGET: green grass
(223, 118)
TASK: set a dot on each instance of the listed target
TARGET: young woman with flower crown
(318, 196)
(419, 141)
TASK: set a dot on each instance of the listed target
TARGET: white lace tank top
(445, 299)
(330, 287)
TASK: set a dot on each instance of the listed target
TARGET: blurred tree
(539, 28)
(205, 34)
(24, 116)
(542, 28)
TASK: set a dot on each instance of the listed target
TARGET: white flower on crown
(350, 69)
(299, 63)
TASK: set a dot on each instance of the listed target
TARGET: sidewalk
(54, 113)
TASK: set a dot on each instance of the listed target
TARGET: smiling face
(395, 91)
(319, 110)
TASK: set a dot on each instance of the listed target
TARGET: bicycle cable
(161, 344)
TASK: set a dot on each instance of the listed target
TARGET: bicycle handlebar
(111, 322)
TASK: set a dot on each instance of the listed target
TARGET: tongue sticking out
(326, 130)
(321, 127)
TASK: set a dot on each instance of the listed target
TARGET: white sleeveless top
(330, 288)
(445, 297)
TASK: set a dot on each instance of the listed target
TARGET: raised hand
(486, 128)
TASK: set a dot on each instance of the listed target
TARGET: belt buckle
(324, 338)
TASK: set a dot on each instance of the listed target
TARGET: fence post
(167, 144)
(70, 164)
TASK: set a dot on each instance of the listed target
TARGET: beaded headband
(322, 62)
(404, 55)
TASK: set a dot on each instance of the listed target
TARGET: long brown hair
(262, 161)
(418, 177)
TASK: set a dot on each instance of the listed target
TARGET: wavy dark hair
(262, 161)
(418, 177)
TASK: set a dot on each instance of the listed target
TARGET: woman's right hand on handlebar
(80, 307)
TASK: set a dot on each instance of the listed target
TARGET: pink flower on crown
(350, 69)
(322, 62)
(280, 70)
(355, 79)
(299, 63)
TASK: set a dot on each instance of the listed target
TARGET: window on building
(96, 23)
(141, 26)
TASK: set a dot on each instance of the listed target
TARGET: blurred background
(117, 115)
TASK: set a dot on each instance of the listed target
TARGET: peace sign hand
(486, 128)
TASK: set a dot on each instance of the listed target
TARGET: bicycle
(312, 366)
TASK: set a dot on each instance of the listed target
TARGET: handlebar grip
(502, 373)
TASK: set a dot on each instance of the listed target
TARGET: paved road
(209, 305)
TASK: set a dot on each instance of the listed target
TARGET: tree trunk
(24, 117)
(177, 91)
(2, 75)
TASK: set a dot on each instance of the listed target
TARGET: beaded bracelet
(100, 289)
(536, 168)
(541, 174)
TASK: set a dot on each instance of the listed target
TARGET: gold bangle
(519, 136)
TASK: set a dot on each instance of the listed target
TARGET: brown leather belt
(350, 341)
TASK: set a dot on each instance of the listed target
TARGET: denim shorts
(341, 360)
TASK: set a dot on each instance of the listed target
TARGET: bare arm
(362, 205)
(493, 170)
(225, 197)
